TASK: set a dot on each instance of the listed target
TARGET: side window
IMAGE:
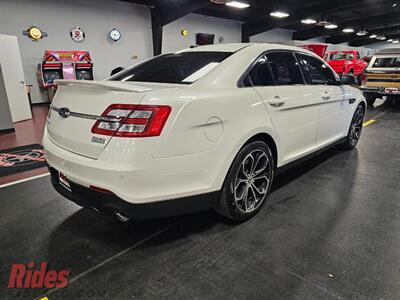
(316, 71)
(259, 75)
(285, 69)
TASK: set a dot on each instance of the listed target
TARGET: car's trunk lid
(76, 106)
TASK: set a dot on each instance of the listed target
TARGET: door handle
(276, 102)
(326, 96)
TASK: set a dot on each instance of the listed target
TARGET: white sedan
(200, 128)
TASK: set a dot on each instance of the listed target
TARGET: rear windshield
(340, 55)
(183, 68)
(387, 62)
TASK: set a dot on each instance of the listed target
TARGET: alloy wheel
(252, 181)
(356, 126)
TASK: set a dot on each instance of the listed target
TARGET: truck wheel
(248, 182)
(370, 97)
(391, 99)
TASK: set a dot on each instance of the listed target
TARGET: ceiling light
(395, 41)
(279, 14)
(390, 40)
(331, 26)
(362, 32)
(308, 21)
(237, 4)
(394, 4)
(381, 38)
(323, 23)
(373, 36)
(348, 30)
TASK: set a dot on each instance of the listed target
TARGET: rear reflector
(100, 190)
(133, 120)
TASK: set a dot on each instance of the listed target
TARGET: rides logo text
(29, 277)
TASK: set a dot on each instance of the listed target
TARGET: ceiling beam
(342, 38)
(369, 41)
(353, 23)
(168, 11)
(317, 11)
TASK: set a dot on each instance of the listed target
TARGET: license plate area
(63, 181)
(391, 90)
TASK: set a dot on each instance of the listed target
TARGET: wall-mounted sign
(77, 34)
(114, 35)
(34, 33)
(184, 32)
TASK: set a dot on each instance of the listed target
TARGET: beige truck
(382, 76)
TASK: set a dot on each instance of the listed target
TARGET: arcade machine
(63, 65)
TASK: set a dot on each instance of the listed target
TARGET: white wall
(173, 40)
(96, 18)
(273, 36)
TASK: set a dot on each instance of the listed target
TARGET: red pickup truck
(346, 62)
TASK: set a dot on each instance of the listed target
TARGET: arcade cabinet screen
(204, 39)
(84, 75)
(50, 75)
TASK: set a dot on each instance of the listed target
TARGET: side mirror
(348, 80)
(116, 70)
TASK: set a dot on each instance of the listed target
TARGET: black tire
(392, 100)
(370, 97)
(355, 129)
(237, 183)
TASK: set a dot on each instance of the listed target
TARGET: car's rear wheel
(248, 182)
(355, 129)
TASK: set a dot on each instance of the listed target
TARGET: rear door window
(260, 74)
(285, 69)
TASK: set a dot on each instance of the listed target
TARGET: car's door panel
(291, 106)
(332, 107)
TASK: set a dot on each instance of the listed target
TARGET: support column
(157, 32)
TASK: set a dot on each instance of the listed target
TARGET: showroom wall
(273, 36)
(96, 18)
(173, 40)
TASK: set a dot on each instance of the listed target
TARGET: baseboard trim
(9, 130)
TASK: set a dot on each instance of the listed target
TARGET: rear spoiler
(107, 85)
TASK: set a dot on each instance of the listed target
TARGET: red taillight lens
(133, 120)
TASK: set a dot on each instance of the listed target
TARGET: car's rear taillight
(126, 120)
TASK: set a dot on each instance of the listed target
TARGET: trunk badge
(96, 139)
(64, 112)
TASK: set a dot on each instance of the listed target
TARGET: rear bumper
(138, 178)
(378, 90)
(110, 203)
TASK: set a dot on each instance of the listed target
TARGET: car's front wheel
(248, 182)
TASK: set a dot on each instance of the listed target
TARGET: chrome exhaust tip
(121, 217)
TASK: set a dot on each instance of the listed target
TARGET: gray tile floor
(330, 230)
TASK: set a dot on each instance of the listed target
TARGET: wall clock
(114, 35)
